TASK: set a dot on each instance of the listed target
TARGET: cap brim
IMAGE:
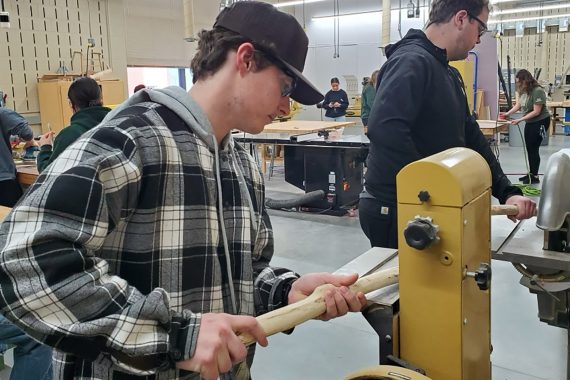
(304, 93)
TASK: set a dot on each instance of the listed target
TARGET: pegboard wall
(549, 51)
(49, 36)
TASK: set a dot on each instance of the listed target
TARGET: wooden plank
(304, 126)
(492, 127)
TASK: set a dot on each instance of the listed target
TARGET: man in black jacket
(421, 109)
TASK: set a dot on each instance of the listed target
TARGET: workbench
(309, 162)
(292, 128)
(299, 127)
(26, 174)
(492, 129)
(553, 107)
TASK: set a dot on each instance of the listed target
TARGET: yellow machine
(354, 107)
(444, 219)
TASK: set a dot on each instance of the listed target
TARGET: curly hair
(443, 10)
(213, 48)
(526, 82)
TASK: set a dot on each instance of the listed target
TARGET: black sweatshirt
(421, 109)
(339, 96)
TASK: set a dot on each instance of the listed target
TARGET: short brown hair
(443, 10)
(213, 48)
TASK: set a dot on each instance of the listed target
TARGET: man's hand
(46, 139)
(527, 207)
(218, 348)
(339, 300)
(516, 121)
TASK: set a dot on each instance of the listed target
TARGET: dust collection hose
(295, 202)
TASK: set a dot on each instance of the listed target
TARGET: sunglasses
(482, 26)
(287, 88)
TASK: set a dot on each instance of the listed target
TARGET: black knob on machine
(482, 276)
(421, 233)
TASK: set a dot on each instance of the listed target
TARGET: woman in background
(367, 99)
(532, 101)
(335, 102)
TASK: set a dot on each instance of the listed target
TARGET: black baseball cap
(276, 33)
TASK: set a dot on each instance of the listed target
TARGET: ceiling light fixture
(297, 2)
(344, 15)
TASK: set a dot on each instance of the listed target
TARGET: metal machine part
(542, 255)
(482, 276)
(554, 206)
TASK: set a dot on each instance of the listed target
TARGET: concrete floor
(524, 347)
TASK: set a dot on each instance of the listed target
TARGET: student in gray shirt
(11, 124)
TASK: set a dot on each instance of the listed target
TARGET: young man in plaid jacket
(144, 248)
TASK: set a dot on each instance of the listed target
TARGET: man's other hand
(339, 299)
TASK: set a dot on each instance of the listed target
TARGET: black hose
(295, 202)
(504, 85)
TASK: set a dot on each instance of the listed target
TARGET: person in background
(367, 99)
(32, 360)
(138, 87)
(11, 124)
(532, 101)
(85, 100)
(335, 102)
(149, 246)
(421, 109)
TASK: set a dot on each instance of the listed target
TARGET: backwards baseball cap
(277, 34)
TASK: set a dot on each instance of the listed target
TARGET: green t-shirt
(537, 96)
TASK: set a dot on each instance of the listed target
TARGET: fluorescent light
(502, 1)
(528, 19)
(297, 2)
(530, 9)
(345, 15)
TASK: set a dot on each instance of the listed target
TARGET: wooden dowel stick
(505, 210)
(311, 307)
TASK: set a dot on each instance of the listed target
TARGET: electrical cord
(528, 190)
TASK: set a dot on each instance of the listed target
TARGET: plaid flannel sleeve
(56, 288)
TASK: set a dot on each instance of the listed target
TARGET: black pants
(379, 221)
(533, 134)
(10, 192)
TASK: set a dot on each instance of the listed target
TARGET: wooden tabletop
(26, 175)
(492, 124)
(4, 211)
(304, 126)
(565, 103)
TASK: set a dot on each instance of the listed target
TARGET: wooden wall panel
(41, 40)
(549, 51)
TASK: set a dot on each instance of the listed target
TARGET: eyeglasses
(287, 87)
(482, 26)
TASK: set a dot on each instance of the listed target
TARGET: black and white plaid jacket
(116, 250)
